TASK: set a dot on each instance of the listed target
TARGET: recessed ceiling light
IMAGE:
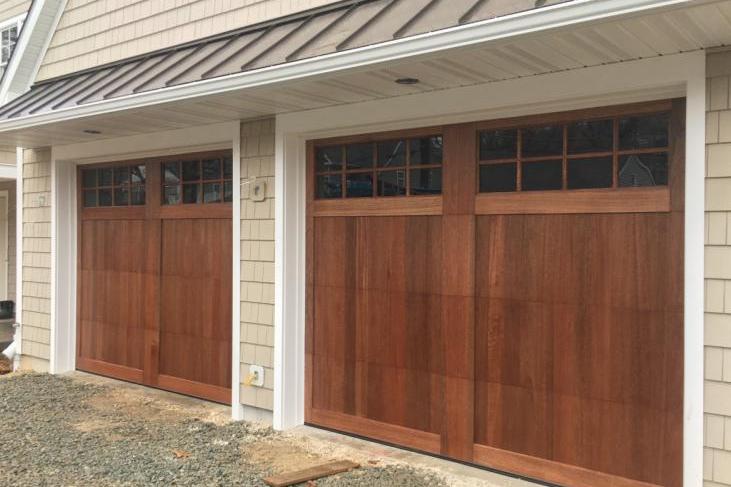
(407, 81)
(92, 132)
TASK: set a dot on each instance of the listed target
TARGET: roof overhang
(582, 33)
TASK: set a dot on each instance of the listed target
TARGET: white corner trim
(237, 412)
(656, 78)
(54, 341)
(18, 258)
(695, 150)
(562, 15)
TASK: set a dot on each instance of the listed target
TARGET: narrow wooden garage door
(154, 283)
(506, 293)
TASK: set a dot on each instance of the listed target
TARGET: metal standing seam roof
(338, 27)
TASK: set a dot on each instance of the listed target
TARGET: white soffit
(678, 27)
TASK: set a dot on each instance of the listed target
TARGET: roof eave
(466, 35)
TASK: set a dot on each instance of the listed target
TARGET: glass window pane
(88, 178)
(359, 156)
(121, 196)
(227, 192)
(644, 132)
(329, 186)
(191, 170)
(228, 168)
(391, 153)
(643, 170)
(426, 181)
(171, 195)
(137, 195)
(329, 158)
(542, 141)
(543, 175)
(105, 197)
(590, 173)
(498, 178)
(121, 175)
(171, 172)
(590, 136)
(212, 193)
(105, 176)
(138, 173)
(498, 144)
(191, 193)
(90, 198)
(426, 150)
(212, 169)
(392, 183)
(358, 185)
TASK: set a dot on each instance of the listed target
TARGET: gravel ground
(63, 431)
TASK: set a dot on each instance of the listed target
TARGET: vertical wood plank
(458, 301)
(153, 250)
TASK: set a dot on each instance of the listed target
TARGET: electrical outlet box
(258, 190)
(258, 372)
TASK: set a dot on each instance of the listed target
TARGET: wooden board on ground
(312, 473)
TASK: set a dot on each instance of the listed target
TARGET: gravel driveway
(68, 431)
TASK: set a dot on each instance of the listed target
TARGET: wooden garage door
(154, 283)
(506, 293)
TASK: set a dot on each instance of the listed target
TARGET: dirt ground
(85, 430)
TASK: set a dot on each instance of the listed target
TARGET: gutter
(511, 26)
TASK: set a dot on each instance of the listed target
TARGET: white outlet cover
(258, 371)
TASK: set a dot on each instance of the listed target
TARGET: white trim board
(656, 78)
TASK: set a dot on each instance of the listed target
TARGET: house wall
(257, 263)
(93, 32)
(717, 438)
(10, 187)
(12, 8)
(36, 312)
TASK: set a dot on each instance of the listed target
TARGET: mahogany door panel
(377, 306)
(533, 321)
(111, 273)
(579, 341)
(155, 272)
(195, 303)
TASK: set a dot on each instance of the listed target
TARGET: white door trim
(655, 78)
(4, 194)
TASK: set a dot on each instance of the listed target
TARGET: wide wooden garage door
(506, 293)
(154, 283)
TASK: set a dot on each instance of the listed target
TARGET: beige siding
(93, 32)
(717, 438)
(10, 187)
(36, 312)
(257, 261)
(13, 8)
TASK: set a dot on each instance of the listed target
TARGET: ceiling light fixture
(407, 81)
(92, 132)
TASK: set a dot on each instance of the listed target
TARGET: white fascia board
(533, 21)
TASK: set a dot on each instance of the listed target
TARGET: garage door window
(613, 152)
(385, 168)
(113, 186)
(197, 180)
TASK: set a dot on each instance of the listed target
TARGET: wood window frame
(613, 199)
(407, 204)
(565, 201)
(153, 192)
